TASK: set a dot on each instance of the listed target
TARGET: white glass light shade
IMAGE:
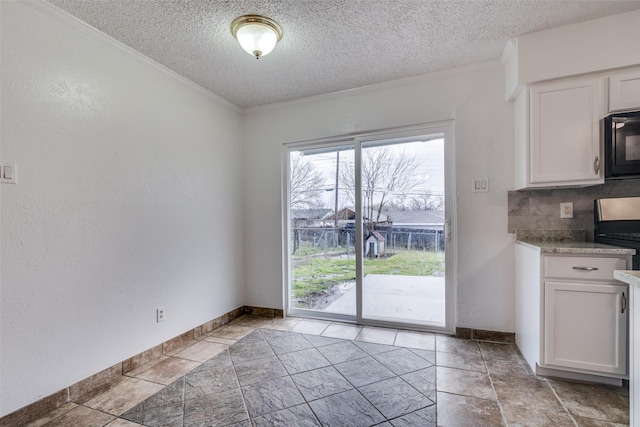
(256, 34)
(257, 39)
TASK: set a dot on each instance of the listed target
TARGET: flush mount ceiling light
(256, 34)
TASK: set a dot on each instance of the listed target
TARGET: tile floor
(293, 372)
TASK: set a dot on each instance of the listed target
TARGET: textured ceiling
(328, 45)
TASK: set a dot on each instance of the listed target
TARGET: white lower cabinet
(585, 326)
(634, 356)
(571, 315)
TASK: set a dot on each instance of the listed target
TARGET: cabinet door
(634, 356)
(564, 146)
(586, 326)
(624, 91)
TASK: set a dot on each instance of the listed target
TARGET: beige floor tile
(53, 415)
(532, 392)
(183, 347)
(509, 369)
(123, 396)
(449, 344)
(493, 350)
(425, 341)
(593, 401)
(146, 366)
(310, 327)
(122, 423)
(252, 321)
(168, 370)
(282, 324)
(466, 383)
(530, 416)
(460, 361)
(232, 331)
(219, 340)
(82, 416)
(346, 332)
(589, 422)
(471, 389)
(377, 335)
(458, 411)
(202, 351)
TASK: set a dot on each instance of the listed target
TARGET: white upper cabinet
(624, 91)
(558, 134)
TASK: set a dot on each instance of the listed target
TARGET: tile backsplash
(540, 209)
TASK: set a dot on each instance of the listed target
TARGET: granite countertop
(628, 276)
(576, 248)
(566, 242)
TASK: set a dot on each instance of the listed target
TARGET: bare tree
(386, 174)
(305, 186)
(426, 201)
(306, 183)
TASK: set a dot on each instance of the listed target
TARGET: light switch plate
(480, 185)
(8, 173)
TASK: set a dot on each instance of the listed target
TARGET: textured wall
(125, 174)
(483, 130)
(540, 209)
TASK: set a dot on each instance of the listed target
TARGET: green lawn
(319, 274)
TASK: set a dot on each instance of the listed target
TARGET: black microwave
(622, 145)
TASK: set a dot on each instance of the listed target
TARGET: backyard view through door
(400, 239)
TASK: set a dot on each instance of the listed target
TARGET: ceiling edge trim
(86, 29)
(375, 87)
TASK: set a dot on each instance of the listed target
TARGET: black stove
(617, 222)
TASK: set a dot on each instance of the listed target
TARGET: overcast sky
(430, 155)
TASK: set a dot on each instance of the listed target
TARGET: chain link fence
(327, 241)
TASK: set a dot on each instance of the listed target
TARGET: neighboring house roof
(313, 213)
(400, 217)
(397, 217)
(344, 213)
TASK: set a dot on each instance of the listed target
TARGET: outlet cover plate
(566, 210)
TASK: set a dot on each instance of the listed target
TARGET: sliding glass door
(322, 256)
(402, 188)
(367, 229)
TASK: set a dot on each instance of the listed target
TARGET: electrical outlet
(566, 210)
(160, 314)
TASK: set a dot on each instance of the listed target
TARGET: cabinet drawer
(589, 268)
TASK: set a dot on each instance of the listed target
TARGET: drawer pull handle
(586, 268)
(623, 304)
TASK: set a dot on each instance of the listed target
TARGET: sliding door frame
(446, 128)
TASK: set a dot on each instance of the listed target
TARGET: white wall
(128, 197)
(474, 97)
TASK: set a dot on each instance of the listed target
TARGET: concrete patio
(410, 299)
